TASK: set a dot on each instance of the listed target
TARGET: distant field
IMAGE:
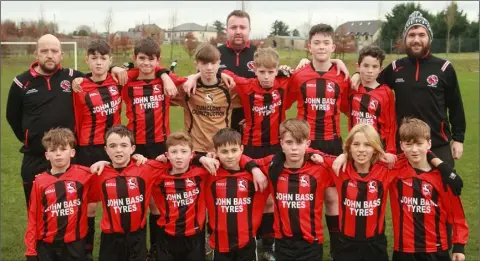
(13, 215)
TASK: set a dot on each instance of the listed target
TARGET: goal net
(16, 52)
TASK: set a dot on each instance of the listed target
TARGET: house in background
(286, 42)
(136, 33)
(203, 33)
(363, 33)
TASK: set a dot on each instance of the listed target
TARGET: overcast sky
(70, 14)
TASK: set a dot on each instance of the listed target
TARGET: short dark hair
(320, 29)
(238, 13)
(120, 130)
(100, 46)
(373, 51)
(207, 53)
(226, 136)
(148, 46)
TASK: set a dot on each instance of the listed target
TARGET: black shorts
(287, 249)
(151, 151)
(332, 147)
(261, 152)
(171, 248)
(350, 249)
(436, 256)
(73, 251)
(237, 116)
(87, 155)
(123, 247)
(32, 165)
(246, 253)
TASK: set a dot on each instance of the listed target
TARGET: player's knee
(91, 209)
(153, 208)
(268, 205)
(331, 198)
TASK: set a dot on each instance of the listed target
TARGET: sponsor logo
(132, 183)
(137, 87)
(432, 80)
(357, 98)
(372, 186)
(282, 178)
(242, 185)
(110, 184)
(169, 183)
(208, 98)
(352, 183)
(250, 66)
(398, 80)
(93, 94)
(71, 188)
(48, 191)
(398, 68)
(311, 85)
(407, 183)
(66, 86)
(221, 184)
(31, 91)
(304, 181)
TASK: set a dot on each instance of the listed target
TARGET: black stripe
(180, 223)
(335, 112)
(251, 100)
(105, 199)
(294, 213)
(107, 99)
(198, 181)
(400, 223)
(164, 116)
(418, 218)
(280, 114)
(79, 213)
(361, 220)
(379, 208)
(149, 117)
(62, 220)
(226, 92)
(351, 108)
(251, 195)
(213, 190)
(122, 193)
(364, 105)
(265, 128)
(45, 213)
(320, 114)
(303, 90)
(190, 112)
(90, 106)
(141, 189)
(134, 111)
(344, 196)
(378, 112)
(232, 219)
(437, 218)
(167, 206)
(313, 191)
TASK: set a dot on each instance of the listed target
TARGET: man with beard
(425, 87)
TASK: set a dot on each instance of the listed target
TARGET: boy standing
(57, 220)
(234, 207)
(423, 209)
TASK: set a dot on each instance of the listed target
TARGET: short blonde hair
(179, 138)
(413, 129)
(372, 137)
(299, 129)
(58, 137)
(266, 57)
(207, 53)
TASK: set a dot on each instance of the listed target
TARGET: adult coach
(40, 99)
(425, 88)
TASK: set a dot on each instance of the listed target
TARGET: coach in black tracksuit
(425, 88)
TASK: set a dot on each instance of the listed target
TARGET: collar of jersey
(247, 45)
(36, 74)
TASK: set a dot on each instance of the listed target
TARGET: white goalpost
(27, 43)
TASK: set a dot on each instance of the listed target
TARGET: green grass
(13, 214)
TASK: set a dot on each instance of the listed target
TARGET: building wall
(201, 36)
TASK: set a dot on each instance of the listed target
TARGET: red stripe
(416, 71)
(350, 221)
(26, 138)
(222, 217)
(52, 228)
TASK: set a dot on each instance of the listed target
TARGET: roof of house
(290, 37)
(146, 26)
(135, 35)
(359, 27)
(192, 27)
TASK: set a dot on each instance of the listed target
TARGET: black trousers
(332, 147)
(150, 151)
(32, 165)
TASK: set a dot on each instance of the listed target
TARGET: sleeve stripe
(18, 82)
(394, 65)
(70, 72)
(445, 65)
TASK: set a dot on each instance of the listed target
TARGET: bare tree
(173, 24)
(190, 44)
(108, 21)
(450, 17)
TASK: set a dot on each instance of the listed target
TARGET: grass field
(13, 210)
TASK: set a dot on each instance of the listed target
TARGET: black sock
(267, 233)
(90, 235)
(333, 231)
(152, 222)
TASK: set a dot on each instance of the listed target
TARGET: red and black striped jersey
(421, 210)
(58, 207)
(181, 202)
(320, 99)
(97, 108)
(377, 108)
(148, 107)
(298, 196)
(264, 109)
(235, 209)
(125, 195)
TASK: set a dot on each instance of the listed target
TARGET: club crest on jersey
(190, 182)
(71, 188)
(304, 181)
(372, 186)
(274, 94)
(66, 86)
(208, 98)
(242, 185)
(427, 189)
(113, 90)
(432, 80)
(330, 86)
(251, 66)
(132, 183)
(155, 88)
(373, 104)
